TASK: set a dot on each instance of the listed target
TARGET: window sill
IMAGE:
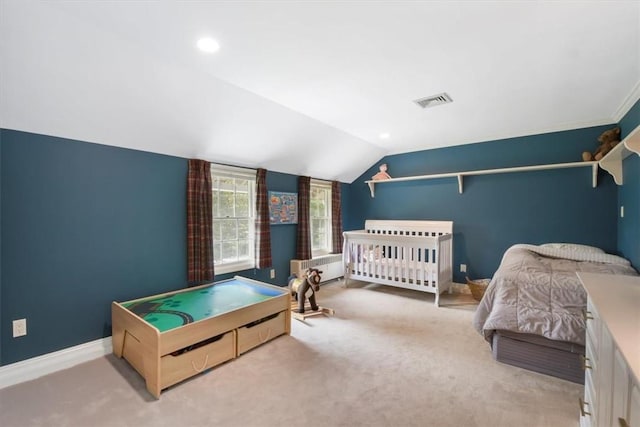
(318, 254)
(232, 268)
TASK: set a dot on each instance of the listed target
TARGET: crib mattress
(535, 353)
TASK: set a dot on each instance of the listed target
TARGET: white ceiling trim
(531, 132)
(628, 103)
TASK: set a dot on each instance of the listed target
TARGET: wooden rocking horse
(303, 288)
(306, 287)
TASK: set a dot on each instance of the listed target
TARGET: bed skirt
(534, 353)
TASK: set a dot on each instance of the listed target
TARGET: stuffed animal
(382, 174)
(305, 287)
(609, 139)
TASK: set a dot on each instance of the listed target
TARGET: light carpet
(388, 357)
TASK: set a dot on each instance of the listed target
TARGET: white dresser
(612, 360)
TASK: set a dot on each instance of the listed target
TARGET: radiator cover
(330, 265)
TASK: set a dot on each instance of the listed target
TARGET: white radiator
(330, 265)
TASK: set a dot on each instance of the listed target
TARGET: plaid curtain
(199, 223)
(303, 241)
(263, 228)
(336, 218)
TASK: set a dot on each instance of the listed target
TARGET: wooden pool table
(170, 337)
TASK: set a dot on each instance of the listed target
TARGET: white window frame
(221, 266)
(328, 245)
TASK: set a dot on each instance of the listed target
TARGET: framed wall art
(283, 207)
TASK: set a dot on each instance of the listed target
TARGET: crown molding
(627, 104)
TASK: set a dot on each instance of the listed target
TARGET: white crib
(407, 254)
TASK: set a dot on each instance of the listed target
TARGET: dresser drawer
(186, 363)
(587, 404)
(590, 357)
(593, 326)
(590, 388)
(261, 331)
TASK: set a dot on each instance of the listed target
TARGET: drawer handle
(623, 422)
(582, 411)
(586, 315)
(266, 338)
(584, 363)
(204, 365)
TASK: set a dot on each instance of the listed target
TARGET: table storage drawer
(197, 358)
(261, 331)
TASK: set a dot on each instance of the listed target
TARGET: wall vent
(434, 100)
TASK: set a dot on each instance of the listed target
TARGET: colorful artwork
(283, 208)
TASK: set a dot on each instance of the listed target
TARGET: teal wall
(86, 224)
(497, 211)
(629, 195)
(83, 225)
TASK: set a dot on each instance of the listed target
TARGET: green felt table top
(173, 310)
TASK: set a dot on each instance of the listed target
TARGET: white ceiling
(307, 87)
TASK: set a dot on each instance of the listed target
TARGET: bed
(407, 254)
(532, 312)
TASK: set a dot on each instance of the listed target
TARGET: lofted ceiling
(307, 87)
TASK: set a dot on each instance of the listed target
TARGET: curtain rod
(234, 166)
(328, 181)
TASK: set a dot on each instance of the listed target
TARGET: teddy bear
(609, 139)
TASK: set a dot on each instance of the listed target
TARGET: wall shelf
(612, 162)
(460, 175)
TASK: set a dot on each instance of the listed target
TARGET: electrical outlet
(463, 268)
(272, 273)
(19, 328)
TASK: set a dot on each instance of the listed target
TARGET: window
(320, 217)
(233, 218)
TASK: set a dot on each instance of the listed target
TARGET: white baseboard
(37, 367)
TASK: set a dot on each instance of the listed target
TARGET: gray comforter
(536, 291)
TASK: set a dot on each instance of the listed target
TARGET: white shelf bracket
(372, 188)
(613, 161)
(460, 183)
(594, 172)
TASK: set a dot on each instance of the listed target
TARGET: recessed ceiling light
(384, 135)
(208, 45)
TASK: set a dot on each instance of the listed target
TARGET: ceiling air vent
(434, 100)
